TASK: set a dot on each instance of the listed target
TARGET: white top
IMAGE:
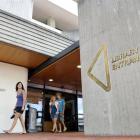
(56, 103)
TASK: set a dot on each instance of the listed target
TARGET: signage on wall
(106, 87)
(124, 59)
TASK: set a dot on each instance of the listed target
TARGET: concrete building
(38, 46)
(109, 49)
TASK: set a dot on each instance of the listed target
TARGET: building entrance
(71, 111)
(40, 101)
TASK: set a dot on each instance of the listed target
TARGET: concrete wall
(115, 23)
(9, 76)
(74, 35)
(22, 8)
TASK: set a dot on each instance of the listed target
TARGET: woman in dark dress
(19, 108)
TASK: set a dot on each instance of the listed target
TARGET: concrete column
(22, 8)
(51, 22)
(110, 48)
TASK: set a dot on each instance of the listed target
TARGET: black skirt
(19, 110)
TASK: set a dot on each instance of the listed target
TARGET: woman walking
(19, 108)
(54, 113)
(61, 103)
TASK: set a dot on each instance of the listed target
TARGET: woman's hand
(62, 113)
(22, 108)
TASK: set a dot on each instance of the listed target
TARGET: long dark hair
(18, 84)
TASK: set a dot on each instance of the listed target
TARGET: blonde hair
(53, 98)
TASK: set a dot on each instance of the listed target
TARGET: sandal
(6, 131)
(22, 133)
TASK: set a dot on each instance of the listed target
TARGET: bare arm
(50, 108)
(24, 99)
(15, 105)
(57, 107)
(64, 107)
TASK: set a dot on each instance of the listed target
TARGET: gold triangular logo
(93, 77)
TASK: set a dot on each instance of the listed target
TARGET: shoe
(52, 131)
(65, 129)
(23, 132)
(7, 131)
(59, 131)
(12, 116)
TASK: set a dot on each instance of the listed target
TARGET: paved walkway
(66, 136)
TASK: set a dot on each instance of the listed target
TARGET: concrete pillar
(22, 8)
(51, 22)
(110, 48)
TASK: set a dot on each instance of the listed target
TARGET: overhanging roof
(62, 69)
(52, 60)
(27, 44)
(19, 56)
(29, 35)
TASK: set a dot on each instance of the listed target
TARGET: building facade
(39, 46)
(32, 40)
(109, 49)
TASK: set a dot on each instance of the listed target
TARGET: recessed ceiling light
(79, 66)
(50, 80)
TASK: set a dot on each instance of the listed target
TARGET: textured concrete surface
(66, 136)
(115, 23)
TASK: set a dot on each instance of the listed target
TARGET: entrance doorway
(39, 99)
(71, 111)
